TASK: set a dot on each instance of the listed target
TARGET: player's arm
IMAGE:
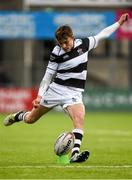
(50, 71)
(43, 87)
(105, 33)
(45, 83)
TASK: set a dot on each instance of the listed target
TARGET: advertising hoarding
(124, 31)
(42, 25)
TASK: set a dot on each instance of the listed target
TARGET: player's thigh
(36, 113)
(77, 113)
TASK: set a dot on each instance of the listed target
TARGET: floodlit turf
(26, 151)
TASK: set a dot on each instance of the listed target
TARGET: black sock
(78, 133)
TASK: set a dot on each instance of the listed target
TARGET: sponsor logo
(67, 146)
(74, 99)
(80, 51)
(46, 102)
(52, 58)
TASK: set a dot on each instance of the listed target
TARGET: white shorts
(60, 95)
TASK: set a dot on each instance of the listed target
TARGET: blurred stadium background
(27, 38)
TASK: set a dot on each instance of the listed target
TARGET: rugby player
(68, 63)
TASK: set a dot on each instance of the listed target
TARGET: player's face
(67, 44)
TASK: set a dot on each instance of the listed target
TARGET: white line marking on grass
(67, 166)
(111, 132)
(66, 179)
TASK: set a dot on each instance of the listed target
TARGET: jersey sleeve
(105, 33)
(45, 83)
(53, 65)
(92, 42)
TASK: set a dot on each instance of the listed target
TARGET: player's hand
(123, 18)
(36, 102)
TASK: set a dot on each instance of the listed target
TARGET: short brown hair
(63, 32)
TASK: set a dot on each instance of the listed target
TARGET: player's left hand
(36, 102)
(124, 17)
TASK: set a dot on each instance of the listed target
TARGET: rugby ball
(64, 143)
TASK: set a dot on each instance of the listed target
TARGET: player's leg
(77, 114)
(46, 104)
(26, 116)
(35, 114)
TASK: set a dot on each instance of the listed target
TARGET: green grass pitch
(26, 151)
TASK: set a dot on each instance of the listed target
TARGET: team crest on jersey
(66, 56)
(80, 51)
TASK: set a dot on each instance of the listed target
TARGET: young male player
(69, 61)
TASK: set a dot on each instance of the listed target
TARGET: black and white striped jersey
(71, 67)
